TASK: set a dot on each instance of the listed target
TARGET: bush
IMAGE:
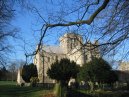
(29, 71)
(22, 84)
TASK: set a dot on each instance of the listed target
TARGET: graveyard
(11, 89)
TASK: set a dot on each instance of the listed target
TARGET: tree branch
(88, 22)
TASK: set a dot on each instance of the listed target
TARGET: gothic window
(73, 41)
(43, 59)
(92, 57)
(48, 59)
(71, 46)
(56, 57)
(85, 57)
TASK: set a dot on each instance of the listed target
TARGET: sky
(28, 22)
(23, 22)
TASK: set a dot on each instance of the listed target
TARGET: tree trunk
(60, 89)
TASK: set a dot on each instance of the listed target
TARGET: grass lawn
(10, 89)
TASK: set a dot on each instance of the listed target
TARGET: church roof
(53, 49)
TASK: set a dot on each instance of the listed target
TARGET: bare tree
(59, 20)
(6, 29)
(104, 20)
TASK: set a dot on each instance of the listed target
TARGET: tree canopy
(29, 71)
(97, 70)
(63, 70)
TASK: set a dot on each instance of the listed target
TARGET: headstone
(19, 78)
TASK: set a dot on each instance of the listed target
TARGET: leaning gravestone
(20, 81)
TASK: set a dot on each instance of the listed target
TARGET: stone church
(123, 71)
(71, 47)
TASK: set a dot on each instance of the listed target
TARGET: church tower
(70, 41)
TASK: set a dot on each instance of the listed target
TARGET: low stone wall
(45, 85)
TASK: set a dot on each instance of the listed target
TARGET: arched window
(56, 57)
(73, 41)
(48, 59)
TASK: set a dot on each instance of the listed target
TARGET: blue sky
(23, 22)
(28, 23)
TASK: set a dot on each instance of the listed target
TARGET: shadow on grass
(73, 93)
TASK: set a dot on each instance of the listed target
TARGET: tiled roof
(53, 49)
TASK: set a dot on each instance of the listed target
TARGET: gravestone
(19, 78)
